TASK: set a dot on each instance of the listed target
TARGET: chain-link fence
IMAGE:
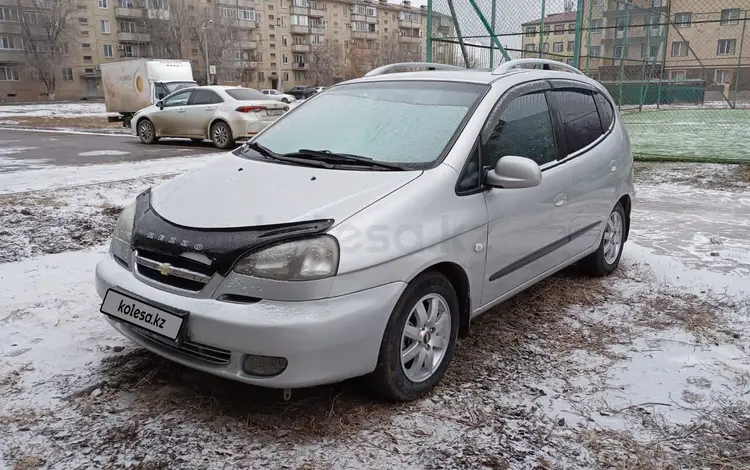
(678, 69)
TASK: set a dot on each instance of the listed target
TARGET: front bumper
(324, 341)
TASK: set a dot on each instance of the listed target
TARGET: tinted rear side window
(580, 118)
(606, 113)
(202, 96)
(245, 94)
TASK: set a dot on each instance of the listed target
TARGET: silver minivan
(360, 233)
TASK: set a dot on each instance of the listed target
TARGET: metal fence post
(588, 38)
(578, 36)
(739, 63)
(487, 26)
(541, 30)
(668, 15)
(625, 51)
(492, 43)
(429, 31)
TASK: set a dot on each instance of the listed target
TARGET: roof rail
(505, 67)
(402, 65)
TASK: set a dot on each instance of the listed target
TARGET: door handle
(560, 199)
(180, 110)
(209, 109)
(613, 165)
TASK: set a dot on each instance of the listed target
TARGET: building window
(531, 47)
(680, 49)
(126, 3)
(624, 4)
(683, 20)
(83, 21)
(85, 45)
(678, 75)
(595, 51)
(652, 23)
(726, 47)
(730, 16)
(87, 58)
(595, 25)
(130, 50)
(9, 73)
(105, 27)
(651, 53)
(286, 76)
(618, 52)
(722, 77)
(557, 47)
(299, 59)
(559, 29)
(84, 32)
(227, 12)
(9, 14)
(67, 74)
(108, 52)
(571, 46)
(299, 20)
(284, 41)
(127, 27)
(284, 59)
(103, 4)
(11, 42)
(657, 3)
(530, 31)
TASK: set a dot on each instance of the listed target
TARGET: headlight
(124, 227)
(299, 260)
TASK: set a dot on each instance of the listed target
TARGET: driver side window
(178, 99)
(161, 92)
(524, 130)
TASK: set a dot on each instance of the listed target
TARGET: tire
(146, 132)
(284, 100)
(407, 381)
(221, 135)
(605, 259)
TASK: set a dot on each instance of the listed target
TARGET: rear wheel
(419, 339)
(146, 132)
(221, 135)
(284, 100)
(606, 258)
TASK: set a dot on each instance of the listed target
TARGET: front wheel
(419, 339)
(146, 132)
(221, 135)
(606, 258)
(284, 100)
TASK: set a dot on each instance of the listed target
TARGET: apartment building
(257, 43)
(555, 39)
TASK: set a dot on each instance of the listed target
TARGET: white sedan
(220, 113)
(279, 96)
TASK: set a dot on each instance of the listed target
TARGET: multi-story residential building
(555, 40)
(257, 43)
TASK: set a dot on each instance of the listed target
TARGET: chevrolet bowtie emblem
(165, 269)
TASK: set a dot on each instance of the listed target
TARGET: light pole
(205, 49)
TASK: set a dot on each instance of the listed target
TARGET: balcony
(300, 66)
(248, 44)
(128, 12)
(298, 29)
(300, 47)
(370, 36)
(10, 28)
(409, 39)
(408, 24)
(316, 13)
(11, 56)
(247, 24)
(355, 17)
(633, 12)
(133, 37)
(317, 30)
(300, 10)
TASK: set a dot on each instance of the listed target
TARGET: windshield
(245, 94)
(174, 86)
(400, 122)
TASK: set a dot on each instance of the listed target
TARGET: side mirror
(160, 104)
(514, 172)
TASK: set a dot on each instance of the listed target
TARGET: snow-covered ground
(645, 369)
(62, 110)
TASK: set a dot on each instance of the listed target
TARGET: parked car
(318, 89)
(311, 255)
(220, 113)
(279, 96)
(302, 92)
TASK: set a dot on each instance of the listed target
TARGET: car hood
(233, 192)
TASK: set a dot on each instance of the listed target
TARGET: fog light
(264, 366)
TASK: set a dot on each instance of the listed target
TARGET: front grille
(195, 350)
(175, 271)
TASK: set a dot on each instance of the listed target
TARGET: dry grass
(734, 177)
(29, 462)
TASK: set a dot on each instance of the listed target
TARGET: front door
(170, 121)
(91, 90)
(526, 226)
(199, 112)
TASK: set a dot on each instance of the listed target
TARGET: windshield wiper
(268, 153)
(333, 157)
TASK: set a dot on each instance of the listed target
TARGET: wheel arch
(213, 123)
(460, 282)
(145, 118)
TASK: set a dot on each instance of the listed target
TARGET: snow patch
(101, 153)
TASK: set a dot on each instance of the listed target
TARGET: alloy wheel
(612, 237)
(425, 337)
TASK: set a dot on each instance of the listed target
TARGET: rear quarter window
(606, 111)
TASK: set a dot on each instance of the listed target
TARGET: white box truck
(132, 85)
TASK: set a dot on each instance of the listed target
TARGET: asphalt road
(27, 148)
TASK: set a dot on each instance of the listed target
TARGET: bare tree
(325, 63)
(170, 28)
(45, 30)
(220, 37)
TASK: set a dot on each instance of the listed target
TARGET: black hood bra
(151, 232)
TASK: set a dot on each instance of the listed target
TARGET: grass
(702, 135)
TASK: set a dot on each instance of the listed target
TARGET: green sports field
(714, 135)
